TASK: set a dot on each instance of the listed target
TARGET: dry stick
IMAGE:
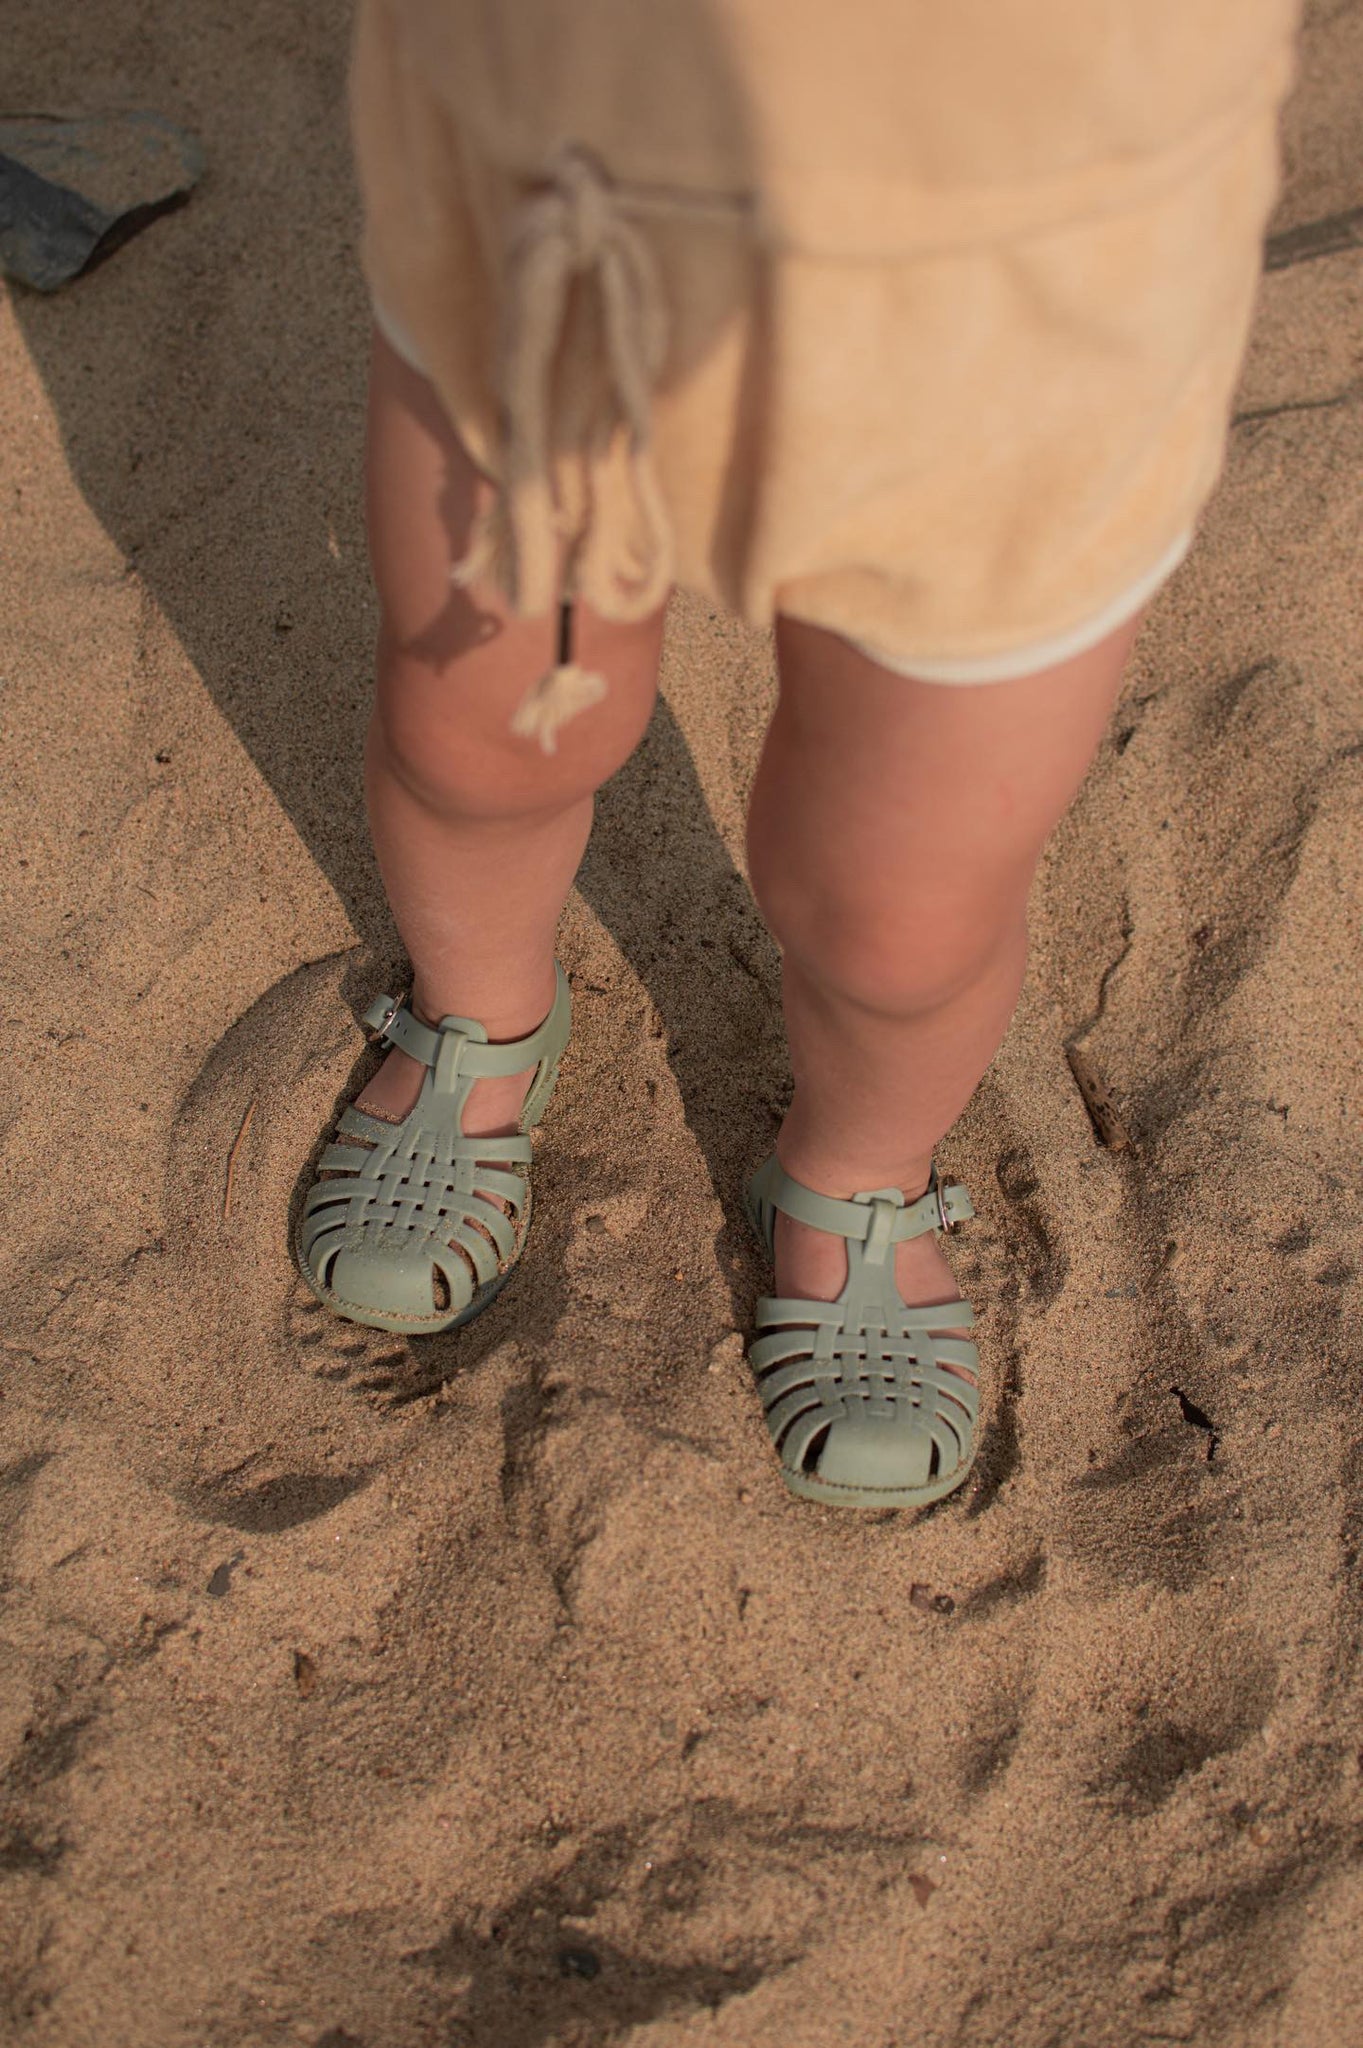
(1098, 1101)
(233, 1155)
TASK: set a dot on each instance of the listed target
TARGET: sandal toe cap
(390, 1280)
(877, 1455)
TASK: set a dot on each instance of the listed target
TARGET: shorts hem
(1014, 664)
(398, 339)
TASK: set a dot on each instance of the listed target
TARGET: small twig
(1258, 414)
(1095, 1017)
(1098, 1098)
(1098, 1101)
(234, 1155)
(1327, 237)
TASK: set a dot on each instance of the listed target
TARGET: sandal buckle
(380, 1030)
(947, 1226)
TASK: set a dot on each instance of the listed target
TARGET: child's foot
(493, 1109)
(811, 1265)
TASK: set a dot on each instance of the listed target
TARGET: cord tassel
(560, 694)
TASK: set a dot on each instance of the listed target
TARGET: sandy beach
(489, 1689)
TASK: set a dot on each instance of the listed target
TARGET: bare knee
(447, 738)
(465, 768)
(898, 947)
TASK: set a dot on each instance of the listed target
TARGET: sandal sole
(807, 1486)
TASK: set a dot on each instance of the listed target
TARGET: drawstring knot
(581, 206)
(572, 228)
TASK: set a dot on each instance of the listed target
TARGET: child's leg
(478, 833)
(894, 830)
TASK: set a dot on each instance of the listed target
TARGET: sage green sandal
(410, 1212)
(859, 1400)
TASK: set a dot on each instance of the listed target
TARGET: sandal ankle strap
(392, 1023)
(879, 1218)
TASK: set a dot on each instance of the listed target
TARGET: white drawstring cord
(573, 228)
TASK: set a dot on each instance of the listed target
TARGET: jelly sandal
(865, 1404)
(412, 1226)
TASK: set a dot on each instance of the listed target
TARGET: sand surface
(490, 1690)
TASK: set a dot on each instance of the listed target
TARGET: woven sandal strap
(945, 1203)
(394, 1024)
(803, 1318)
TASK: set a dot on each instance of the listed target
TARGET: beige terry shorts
(970, 458)
(1003, 666)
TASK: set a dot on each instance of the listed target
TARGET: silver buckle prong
(381, 1028)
